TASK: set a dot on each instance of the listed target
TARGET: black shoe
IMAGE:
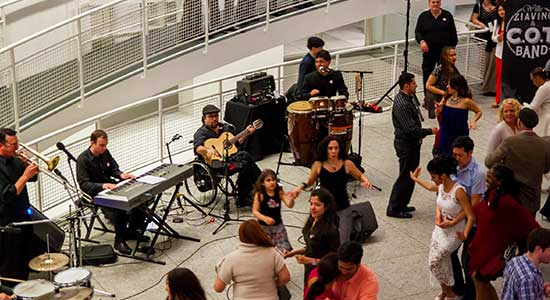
(400, 215)
(146, 250)
(409, 209)
(122, 247)
(134, 236)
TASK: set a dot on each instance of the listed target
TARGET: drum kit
(69, 284)
(310, 121)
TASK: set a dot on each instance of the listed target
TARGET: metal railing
(140, 142)
(111, 42)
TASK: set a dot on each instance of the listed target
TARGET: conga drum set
(310, 121)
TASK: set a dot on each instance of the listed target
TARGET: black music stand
(163, 228)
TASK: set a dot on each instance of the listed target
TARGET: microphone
(323, 70)
(58, 173)
(176, 137)
(9, 229)
(61, 147)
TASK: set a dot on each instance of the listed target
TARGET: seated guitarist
(212, 128)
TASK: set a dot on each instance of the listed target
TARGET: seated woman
(507, 121)
(256, 267)
(449, 231)
(182, 284)
(320, 231)
(320, 280)
(495, 230)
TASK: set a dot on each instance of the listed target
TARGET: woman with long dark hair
(320, 231)
(436, 86)
(498, 37)
(183, 284)
(449, 230)
(454, 113)
(253, 266)
(320, 280)
(501, 223)
(332, 168)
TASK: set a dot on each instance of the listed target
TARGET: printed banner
(526, 45)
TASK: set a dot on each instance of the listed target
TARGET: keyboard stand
(163, 227)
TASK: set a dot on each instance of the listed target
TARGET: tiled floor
(397, 251)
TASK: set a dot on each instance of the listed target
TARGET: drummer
(325, 82)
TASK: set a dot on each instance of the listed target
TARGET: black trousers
(408, 153)
(127, 223)
(428, 64)
(248, 174)
(469, 287)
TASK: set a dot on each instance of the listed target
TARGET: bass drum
(303, 132)
(342, 127)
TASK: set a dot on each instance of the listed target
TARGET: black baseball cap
(210, 109)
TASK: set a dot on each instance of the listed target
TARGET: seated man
(212, 128)
(356, 281)
(96, 171)
(324, 82)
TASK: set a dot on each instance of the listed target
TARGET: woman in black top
(483, 14)
(332, 169)
(320, 231)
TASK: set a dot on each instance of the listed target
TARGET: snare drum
(303, 132)
(70, 293)
(31, 289)
(321, 106)
(342, 126)
(73, 277)
(339, 104)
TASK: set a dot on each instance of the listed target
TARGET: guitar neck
(241, 134)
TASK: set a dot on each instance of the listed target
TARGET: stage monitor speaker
(364, 221)
(50, 230)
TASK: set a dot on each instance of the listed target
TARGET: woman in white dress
(508, 112)
(448, 232)
(541, 101)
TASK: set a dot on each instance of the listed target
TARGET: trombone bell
(52, 164)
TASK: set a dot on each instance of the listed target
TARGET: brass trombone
(50, 171)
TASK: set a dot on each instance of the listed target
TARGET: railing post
(328, 5)
(206, 18)
(3, 16)
(395, 65)
(468, 40)
(220, 93)
(161, 130)
(337, 63)
(14, 90)
(267, 13)
(279, 79)
(144, 34)
(80, 61)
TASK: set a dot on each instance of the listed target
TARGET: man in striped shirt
(406, 118)
(522, 277)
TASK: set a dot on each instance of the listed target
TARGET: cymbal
(48, 262)
(71, 293)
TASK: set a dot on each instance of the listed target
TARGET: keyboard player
(96, 171)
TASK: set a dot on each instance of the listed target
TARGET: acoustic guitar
(227, 140)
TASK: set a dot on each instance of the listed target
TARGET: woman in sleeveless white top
(452, 205)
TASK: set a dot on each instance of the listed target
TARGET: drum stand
(75, 243)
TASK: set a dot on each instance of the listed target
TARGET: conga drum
(338, 105)
(342, 126)
(302, 132)
(321, 107)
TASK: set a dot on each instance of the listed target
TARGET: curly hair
(514, 102)
(322, 148)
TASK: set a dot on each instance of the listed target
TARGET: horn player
(16, 248)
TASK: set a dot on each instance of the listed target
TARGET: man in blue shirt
(307, 65)
(522, 277)
(472, 177)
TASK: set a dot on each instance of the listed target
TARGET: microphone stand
(226, 216)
